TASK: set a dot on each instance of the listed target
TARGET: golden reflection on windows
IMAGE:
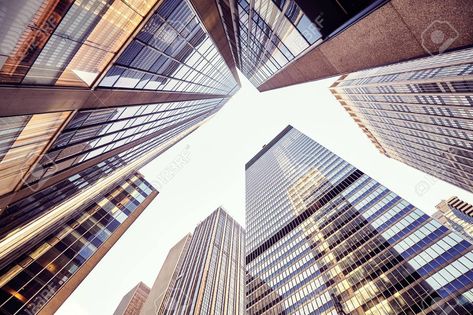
(27, 137)
(28, 26)
(65, 42)
(301, 191)
(108, 36)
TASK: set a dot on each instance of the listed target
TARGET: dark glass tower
(324, 238)
(42, 276)
(203, 273)
(277, 43)
(419, 112)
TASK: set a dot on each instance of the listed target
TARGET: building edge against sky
(324, 237)
(204, 272)
(44, 276)
(104, 112)
(57, 156)
(167, 277)
(419, 112)
(281, 43)
(133, 301)
(457, 215)
(161, 47)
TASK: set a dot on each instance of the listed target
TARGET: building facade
(279, 43)
(133, 301)
(419, 112)
(457, 215)
(167, 277)
(91, 91)
(43, 276)
(78, 43)
(204, 273)
(111, 76)
(324, 238)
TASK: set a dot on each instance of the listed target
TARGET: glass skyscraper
(270, 34)
(277, 43)
(80, 43)
(419, 112)
(42, 276)
(322, 237)
(91, 91)
(90, 86)
(203, 273)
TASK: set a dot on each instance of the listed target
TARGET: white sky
(206, 170)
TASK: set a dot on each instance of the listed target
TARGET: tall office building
(457, 215)
(133, 301)
(85, 81)
(92, 91)
(419, 112)
(203, 273)
(43, 276)
(167, 277)
(279, 43)
(324, 238)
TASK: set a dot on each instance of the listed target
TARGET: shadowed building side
(282, 43)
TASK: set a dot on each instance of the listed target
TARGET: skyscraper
(419, 112)
(279, 43)
(203, 273)
(457, 215)
(41, 277)
(167, 277)
(90, 92)
(324, 238)
(132, 302)
(111, 77)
